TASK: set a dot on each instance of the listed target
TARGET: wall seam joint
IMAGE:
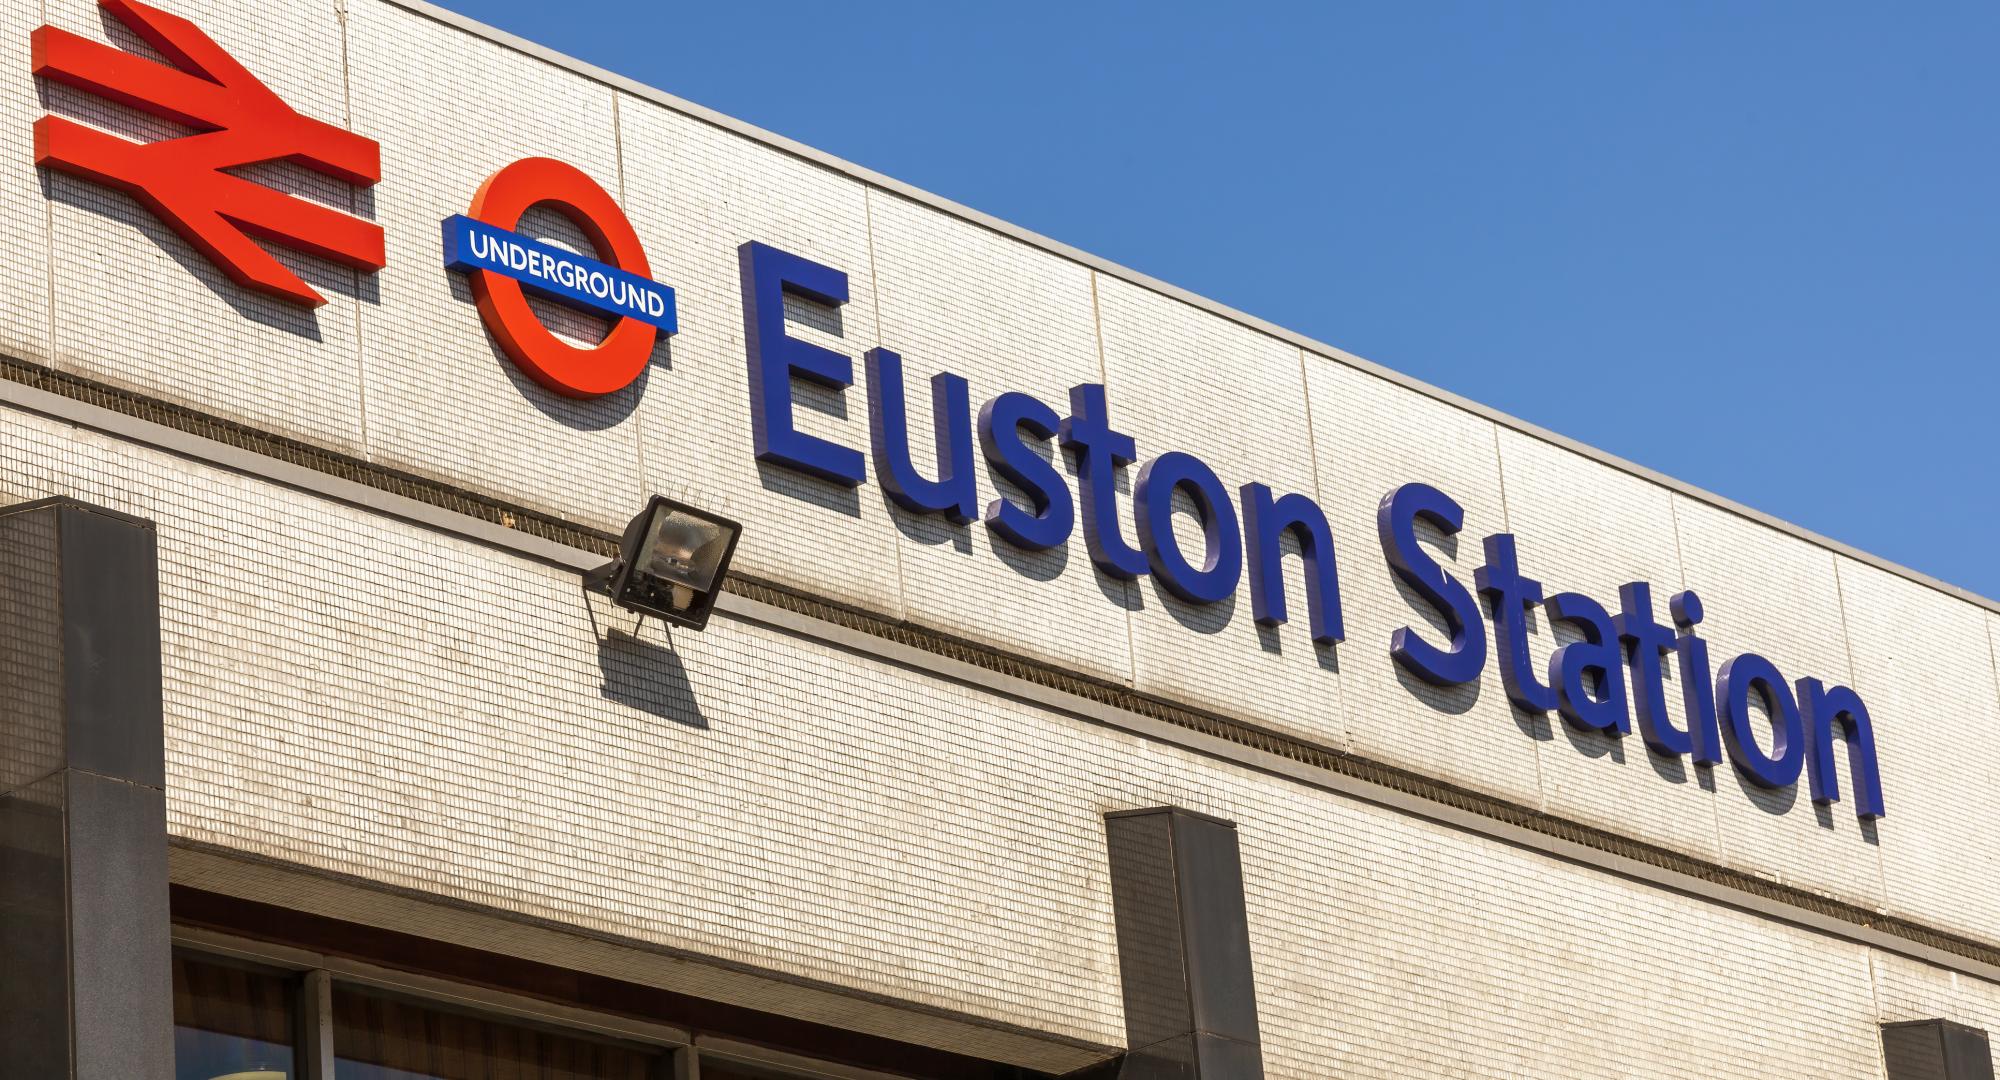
(875, 302)
(1680, 563)
(1127, 587)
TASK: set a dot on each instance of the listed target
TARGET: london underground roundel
(503, 265)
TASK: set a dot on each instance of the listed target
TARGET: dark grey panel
(1936, 1050)
(1220, 1058)
(1220, 986)
(1967, 1053)
(34, 999)
(31, 648)
(121, 948)
(1168, 1059)
(84, 920)
(111, 646)
(1183, 947)
(1146, 907)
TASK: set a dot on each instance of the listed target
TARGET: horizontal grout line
(1098, 263)
(551, 540)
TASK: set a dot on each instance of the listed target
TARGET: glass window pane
(716, 1069)
(382, 1038)
(231, 1023)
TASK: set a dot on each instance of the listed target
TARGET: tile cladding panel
(139, 307)
(425, 726)
(697, 194)
(441, 399)
(1929, 685)
(24, 203)
(1370, 438)
(1587, 529)
(960, 298)
(768, 801)
(1178, 378)
(1765, 593)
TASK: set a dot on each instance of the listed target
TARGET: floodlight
(671, 563)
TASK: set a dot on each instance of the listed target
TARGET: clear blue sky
(1754, 245)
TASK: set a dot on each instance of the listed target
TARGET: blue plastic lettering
(1265, 521)
(955, 493)
(775, 358)
(1396, 526)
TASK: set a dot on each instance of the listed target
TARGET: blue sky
(1754, 245)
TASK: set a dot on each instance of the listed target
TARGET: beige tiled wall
(1236, 400)
(137, 306)
(24, 243)
(960, 298)
(697, 195)
(1372, 437)
(1779, 834)
(1587, 529)
(359, 681)
(440, 398)
(1926, 672)
(364, 698)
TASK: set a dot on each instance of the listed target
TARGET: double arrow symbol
(238, 122)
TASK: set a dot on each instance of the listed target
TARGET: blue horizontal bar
(471, 244)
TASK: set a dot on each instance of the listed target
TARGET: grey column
(1936, 1050)
(1183, 947)
(85, 944)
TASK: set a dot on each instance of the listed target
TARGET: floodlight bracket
(599, 580)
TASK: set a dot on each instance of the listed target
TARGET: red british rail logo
(184, 181)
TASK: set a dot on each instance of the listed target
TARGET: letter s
(1000, 425)
(1396, 522)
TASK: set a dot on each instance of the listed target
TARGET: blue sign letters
(1005, 428)
(1586, 678)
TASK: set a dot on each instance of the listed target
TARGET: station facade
(1105, 683)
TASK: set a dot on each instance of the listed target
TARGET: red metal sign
(572, 370)
(182, 180)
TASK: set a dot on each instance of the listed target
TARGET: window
(232, 1022)
(294, 1015)
(719, 1070)
(384, 1038)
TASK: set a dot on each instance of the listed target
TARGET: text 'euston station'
(1585, 680)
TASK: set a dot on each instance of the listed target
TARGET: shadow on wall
(1774, 801)
(640, 673)
(328, 278)
(810, 398)
(648, 677)
(1045, 565)
(577, 414)
(930, 530)
(1450, 700)
(1620, 749)
(820, 493)
(584, 329)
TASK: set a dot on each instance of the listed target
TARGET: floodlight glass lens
(684, 550)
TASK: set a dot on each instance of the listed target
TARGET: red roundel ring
(571, 370)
